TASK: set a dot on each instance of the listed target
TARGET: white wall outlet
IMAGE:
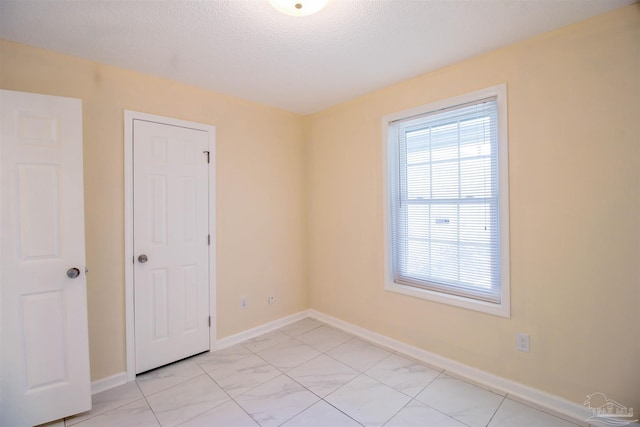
(522, 342)
(272, 299)
(244, 302)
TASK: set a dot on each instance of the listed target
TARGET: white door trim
(129, 117)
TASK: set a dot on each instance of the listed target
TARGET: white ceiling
(302, 64)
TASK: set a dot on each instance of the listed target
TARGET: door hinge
(208, 157)
(209, 239)
(209, 321)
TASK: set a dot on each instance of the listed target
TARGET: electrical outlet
(272, 299)
(522, 342)
(243, 302)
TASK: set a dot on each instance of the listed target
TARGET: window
(447, 201)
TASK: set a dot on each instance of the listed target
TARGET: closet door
(171, 242)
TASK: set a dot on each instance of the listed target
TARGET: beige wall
(574, 141)
(316, 182)
(261, 233)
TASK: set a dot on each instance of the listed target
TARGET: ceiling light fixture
(298, 7)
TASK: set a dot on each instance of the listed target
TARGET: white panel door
(171, 242)
(45, 351)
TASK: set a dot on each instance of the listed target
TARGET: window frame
(503, 308)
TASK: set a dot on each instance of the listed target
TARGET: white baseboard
(548, 402)
(109, 382)
(121, 378)
(258, 330)
(553, 404)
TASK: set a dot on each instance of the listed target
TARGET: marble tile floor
(302, 375)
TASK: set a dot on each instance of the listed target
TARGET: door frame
(129, 117)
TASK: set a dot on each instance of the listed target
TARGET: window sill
(502, 309)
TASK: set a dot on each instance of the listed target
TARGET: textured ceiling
(247, 49)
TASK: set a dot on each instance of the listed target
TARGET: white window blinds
(445, 201)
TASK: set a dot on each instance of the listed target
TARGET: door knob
(72, 273)
(142, 259)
